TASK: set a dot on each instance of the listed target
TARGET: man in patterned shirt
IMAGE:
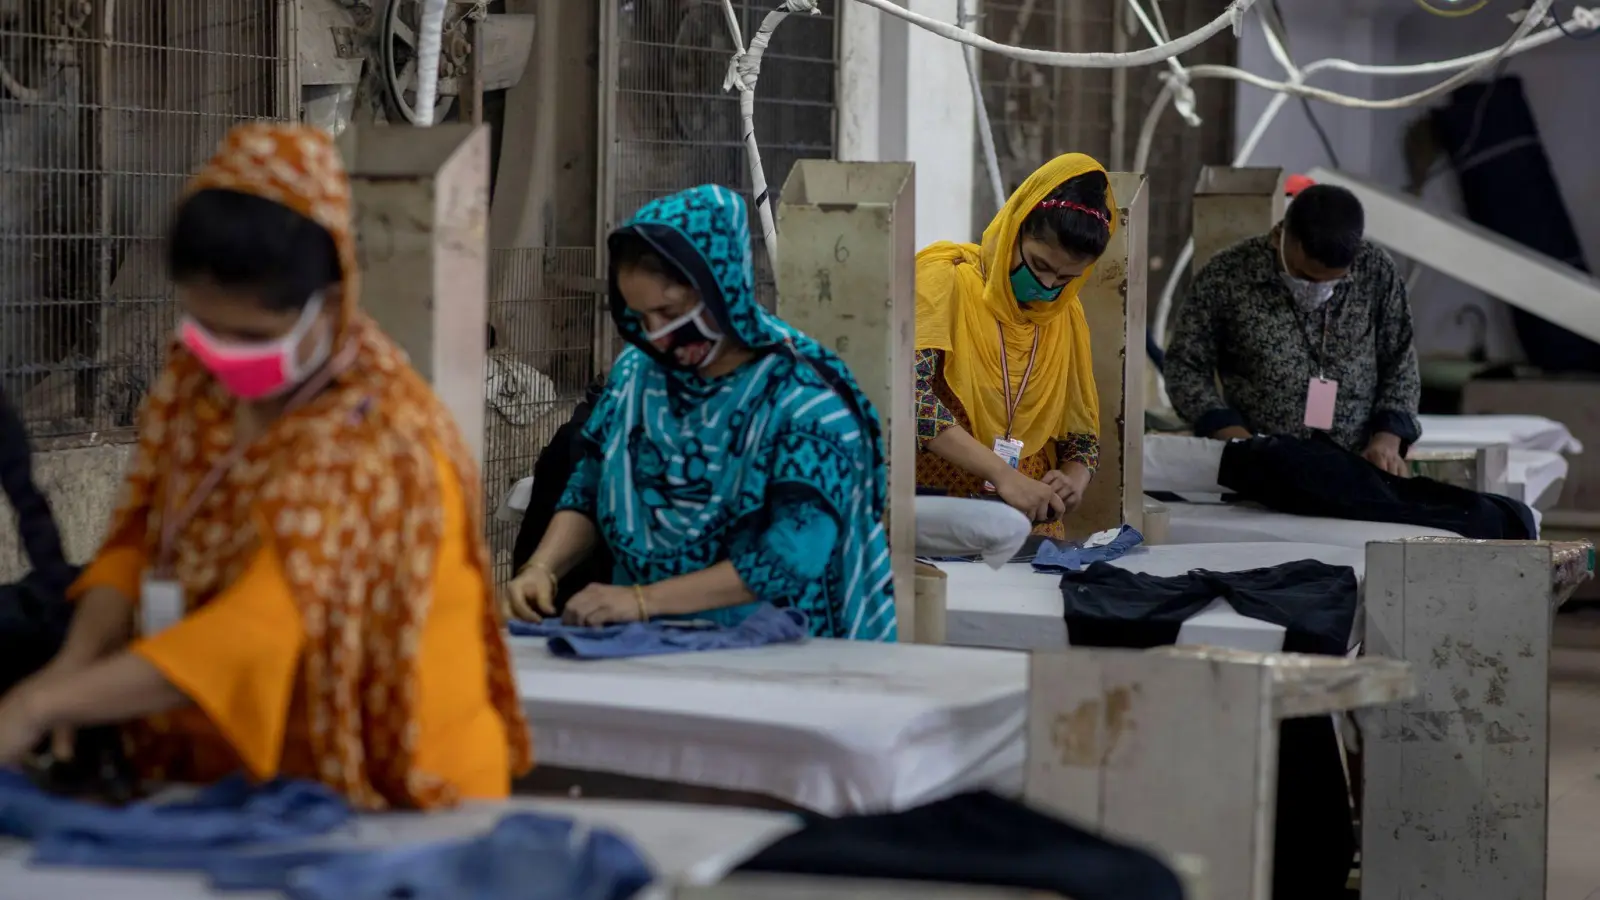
(1306, 328)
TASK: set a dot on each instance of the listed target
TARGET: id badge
(1320, 398)
(1008, 449)
(160, 605)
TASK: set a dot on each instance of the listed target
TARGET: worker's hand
(62, 667)
(531, 594)
(1068, 485)
(1232, 433)
(1383, 451)
(1034, 499)
(605, 604)
(21, 725)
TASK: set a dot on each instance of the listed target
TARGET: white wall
(1558, 79)
(1317, 30)
(903, 95)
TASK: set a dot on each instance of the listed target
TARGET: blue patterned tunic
(777, 466)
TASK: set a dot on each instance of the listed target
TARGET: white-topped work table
(684, 844)
(1211, 523)
(833, 726)
(1018, 608)
(1518, 432)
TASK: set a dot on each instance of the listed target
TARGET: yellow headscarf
(963, 291)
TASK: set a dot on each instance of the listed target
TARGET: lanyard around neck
(1005, 375)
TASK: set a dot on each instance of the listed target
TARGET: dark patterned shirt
(1239, 325)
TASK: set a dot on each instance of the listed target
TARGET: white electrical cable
(1232, 17)
(991, 159)
(743, 73)
(430, 34)
(1178, 79)
(1521, 42)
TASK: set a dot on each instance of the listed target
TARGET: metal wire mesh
(1180, 151)
(677, 128)
(105, 107)
(542, 316)
(1038, 112)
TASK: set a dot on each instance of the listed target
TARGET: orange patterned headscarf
(347, 490)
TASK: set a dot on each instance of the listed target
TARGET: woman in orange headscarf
(296, 581)
(1006, 401)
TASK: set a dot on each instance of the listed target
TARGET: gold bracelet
(549, 573)
(644, 611)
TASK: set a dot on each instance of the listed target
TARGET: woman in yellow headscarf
(1006, 401)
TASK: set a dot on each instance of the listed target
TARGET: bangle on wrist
(644, 609)
(536, 565)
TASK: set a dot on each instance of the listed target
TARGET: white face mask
(680, 338)
(1308, 295)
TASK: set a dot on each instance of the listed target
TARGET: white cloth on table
(1182, 465)
(1233, 523)
(1017, 608)
(833, 726)
(684, 844)
(1538, 471)
(1520, 432)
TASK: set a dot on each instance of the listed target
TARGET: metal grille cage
(677, 128)
(542, 320)
(105, 109)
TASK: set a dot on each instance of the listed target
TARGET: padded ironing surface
(697, 844)
(1019, 609)
(1520, 432)
(834, 726)
(1540, 472)
(1232, 523)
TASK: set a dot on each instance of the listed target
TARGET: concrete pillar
(846, 278)
(1231, 204)
(1114, 303)
(421, 215)
(903, 95)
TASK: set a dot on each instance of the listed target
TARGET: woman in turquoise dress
(732, 461)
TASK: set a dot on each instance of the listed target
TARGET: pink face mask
(258, 371)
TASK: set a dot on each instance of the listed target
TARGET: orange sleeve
(238, 659)
(118, 567)
(462, 736)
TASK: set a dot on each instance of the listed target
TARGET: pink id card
(1320, 398)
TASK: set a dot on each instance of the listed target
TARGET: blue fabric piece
(680, 471)
(766, 625)
(235, 833)
(230, 814)
(1056, 558)
(526, 856)
(268, 870)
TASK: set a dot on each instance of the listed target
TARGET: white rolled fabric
(1182, 465)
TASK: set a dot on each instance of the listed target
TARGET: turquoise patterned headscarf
(691, 468)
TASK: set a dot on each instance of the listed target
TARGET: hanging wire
(1452, 13)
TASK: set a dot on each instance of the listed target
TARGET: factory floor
(1575, 759)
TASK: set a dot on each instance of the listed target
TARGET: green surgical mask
(1027, 287)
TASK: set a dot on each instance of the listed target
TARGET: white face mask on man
(1308, 295)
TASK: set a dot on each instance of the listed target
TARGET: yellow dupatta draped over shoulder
(965, 304)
